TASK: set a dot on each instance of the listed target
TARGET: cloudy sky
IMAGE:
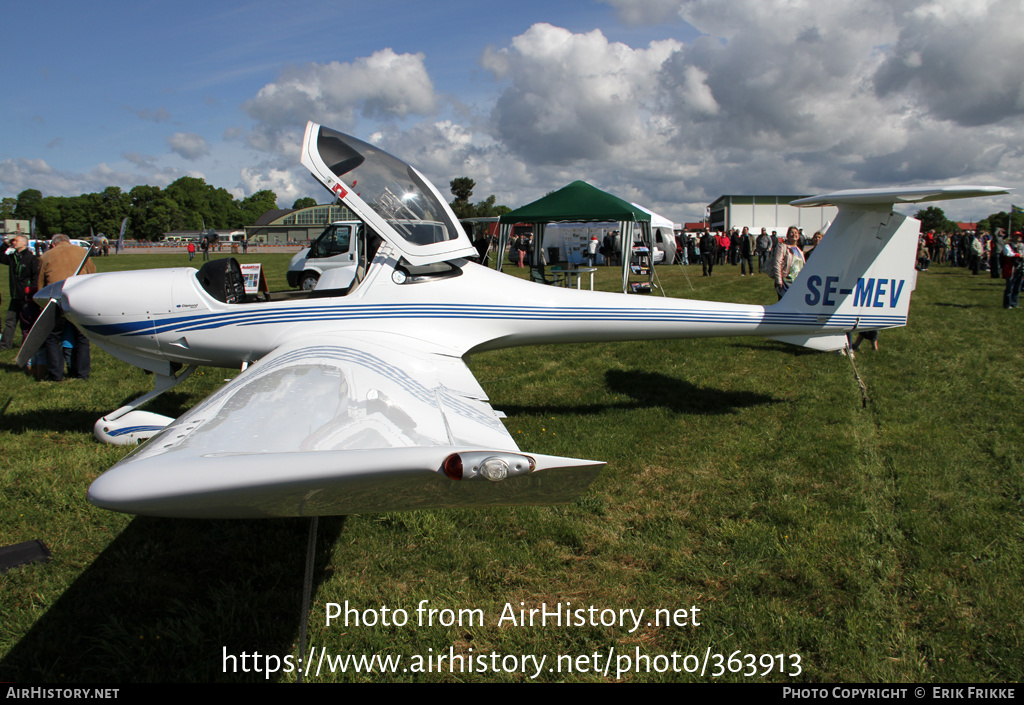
(669, 103)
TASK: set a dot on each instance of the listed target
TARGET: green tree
(7, 207)
(152, 213)
(191, 195)
(487, 209)
(257, 204)
(203, 205)
(933, 218)
(79, 214)
(304, 202)
(1002, 219)
(462, 189)
(26, 205)
(111, 209)
(49, 216)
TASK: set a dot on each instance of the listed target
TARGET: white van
(235, 237)
(335, 248)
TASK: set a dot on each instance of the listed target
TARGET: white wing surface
(337, 425)
(887, 197)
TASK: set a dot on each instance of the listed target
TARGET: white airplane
(360, 399)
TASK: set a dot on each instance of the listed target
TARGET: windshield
(388, 185)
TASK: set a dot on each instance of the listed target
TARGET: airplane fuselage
(166, 315)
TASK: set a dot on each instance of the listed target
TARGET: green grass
(879, 542)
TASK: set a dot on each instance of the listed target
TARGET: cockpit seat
(222, 279)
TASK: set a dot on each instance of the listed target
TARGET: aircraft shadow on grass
(167, 596)
(775, 346)
(644, 390)
(43, 420)
(77, 420)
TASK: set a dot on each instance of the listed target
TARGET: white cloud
(188, 145)
(16, 175)
(798, 96)
(382, 85)
(646, 11)
(158, 115)
(283, 182)
(138, 159)
(960, 61)
(573, 96)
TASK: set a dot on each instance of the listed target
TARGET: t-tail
(861, 275)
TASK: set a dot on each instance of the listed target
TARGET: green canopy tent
(579, 202)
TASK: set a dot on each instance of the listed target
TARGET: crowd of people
(66, 350)
(741, 247)
(783, 258)
(521, 249)
(977, 251)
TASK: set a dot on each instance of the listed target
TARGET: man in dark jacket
(765, 242)
(23, 267)
(748, 248)
(708, 253)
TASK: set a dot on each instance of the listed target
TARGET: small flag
(1017, 210)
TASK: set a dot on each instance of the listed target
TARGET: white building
(16, 227)
(770, 212)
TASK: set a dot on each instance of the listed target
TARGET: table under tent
(579, 202)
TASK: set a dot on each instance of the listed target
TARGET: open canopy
(391, 197)
(579, 202)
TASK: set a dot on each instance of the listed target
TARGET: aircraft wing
(337, 425)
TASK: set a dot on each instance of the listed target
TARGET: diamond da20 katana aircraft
(360, 399)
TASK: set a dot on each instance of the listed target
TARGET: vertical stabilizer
(861, 275)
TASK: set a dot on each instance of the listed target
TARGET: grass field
(820, 537)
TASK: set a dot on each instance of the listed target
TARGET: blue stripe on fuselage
(213, 320)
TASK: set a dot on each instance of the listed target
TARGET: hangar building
(770, 212)
(295, 227)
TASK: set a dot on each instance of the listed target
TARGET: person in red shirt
(723, 247)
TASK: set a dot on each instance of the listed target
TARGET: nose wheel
(129, 426)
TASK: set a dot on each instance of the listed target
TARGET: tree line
(191, 204)
(186, 204)
(933, 218)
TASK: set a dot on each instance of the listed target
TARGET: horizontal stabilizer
(888, 197)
